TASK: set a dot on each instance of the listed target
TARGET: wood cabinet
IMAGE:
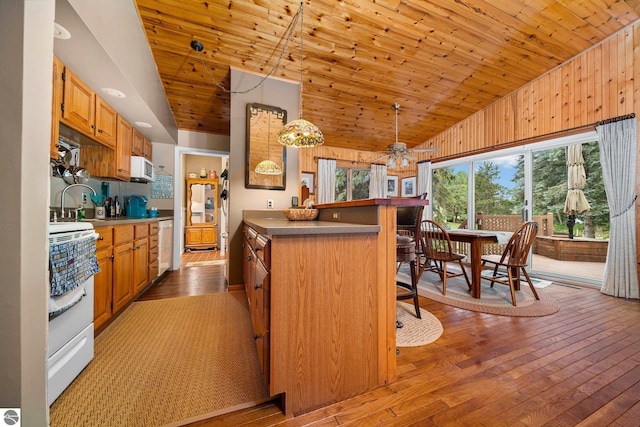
(102, 287)
(140, 258)
(123, 150)
(87, 112)
(201, 230)
(147, 150)
(137, 143)
(154, 262)
(322, 334)
(122, 266)
(128, 260)
(257, 286)
(56, 101)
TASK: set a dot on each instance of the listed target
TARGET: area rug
(164, 361)
(416, 332)
(201, 263)
(496, 300)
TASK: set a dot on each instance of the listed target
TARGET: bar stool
(406, 252)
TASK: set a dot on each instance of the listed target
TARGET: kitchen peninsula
(322, 298)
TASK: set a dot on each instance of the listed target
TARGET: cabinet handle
(111, 257)
(99, 130)
(248, 257)
(101, 238)
(257, 286)
(256, 336)
(93, 126)
(257, 248)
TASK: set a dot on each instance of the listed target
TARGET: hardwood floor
(580, 366)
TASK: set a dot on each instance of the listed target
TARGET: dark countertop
(284, 227)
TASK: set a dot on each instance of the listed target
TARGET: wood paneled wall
(600, 83)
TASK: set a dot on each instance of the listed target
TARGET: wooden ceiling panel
(440, 60)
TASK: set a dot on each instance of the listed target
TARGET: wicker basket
(301, 214)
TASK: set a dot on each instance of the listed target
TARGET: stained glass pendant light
(268, 167)
(300, 132)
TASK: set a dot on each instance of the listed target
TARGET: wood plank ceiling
(441, 60)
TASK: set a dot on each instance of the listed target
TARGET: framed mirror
(263, 124)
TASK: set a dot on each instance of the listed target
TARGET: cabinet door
(137, 143)
(106, 123)
(147, 150)
(122, 275)
(210, 235)
(79, 103)
(140, 264)
(102, 288)
(193, 236)
(123, 150)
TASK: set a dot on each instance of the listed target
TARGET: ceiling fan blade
(410, 157)
(424, 150)
(380, 158)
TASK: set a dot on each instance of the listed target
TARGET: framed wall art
(409, 187)
(392, 186)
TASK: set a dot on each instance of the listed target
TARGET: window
(352, 184)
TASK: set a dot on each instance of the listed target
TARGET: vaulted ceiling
(441, 60)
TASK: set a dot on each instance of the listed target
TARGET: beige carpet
(416, 332)
(165, 361)
(496, 300)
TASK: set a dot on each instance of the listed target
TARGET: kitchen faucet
(64, 192)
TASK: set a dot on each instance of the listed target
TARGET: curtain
(378, 181)
(618, 144)
(424, 181)
(326, 181)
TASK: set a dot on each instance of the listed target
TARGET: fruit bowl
(300, 214)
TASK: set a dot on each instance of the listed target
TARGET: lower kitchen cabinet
(102, 287)
(201, 237)
(128, 259)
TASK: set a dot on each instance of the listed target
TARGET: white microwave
(142, 170)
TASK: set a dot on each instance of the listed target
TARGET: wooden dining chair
(438, 251)
(508, 266)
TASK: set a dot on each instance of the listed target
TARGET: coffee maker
(136, 207)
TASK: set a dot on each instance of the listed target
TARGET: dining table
(475, 238)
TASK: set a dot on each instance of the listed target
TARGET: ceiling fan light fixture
(300, 133)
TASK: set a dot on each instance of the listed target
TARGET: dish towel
(71, 264)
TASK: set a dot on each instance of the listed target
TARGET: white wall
(26, 48)
(278, 93)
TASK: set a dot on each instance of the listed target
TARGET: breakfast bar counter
(322, 298)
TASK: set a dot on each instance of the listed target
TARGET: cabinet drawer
(106, 237)
(153, 253)
(141, 230)
(153, 228)
(122, 233)
(153, 270)
(153, 241)
(263, 250)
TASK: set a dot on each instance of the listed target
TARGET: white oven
(70, 338)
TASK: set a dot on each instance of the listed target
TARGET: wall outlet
(84, 198)
(269, 204)
(336, 215)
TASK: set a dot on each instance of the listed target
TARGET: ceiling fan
(398, 153)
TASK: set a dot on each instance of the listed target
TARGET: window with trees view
(352, 184)
(499, 189)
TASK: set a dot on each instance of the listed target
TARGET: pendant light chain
(301, 12)
(197, 46)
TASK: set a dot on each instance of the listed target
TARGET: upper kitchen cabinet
(86, 112)
(56, 101)
(123, 150)
(147, 149)
(137, 143)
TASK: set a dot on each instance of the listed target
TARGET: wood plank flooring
(580, 366)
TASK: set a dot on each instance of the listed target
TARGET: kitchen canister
(203, 173)
(100, 212)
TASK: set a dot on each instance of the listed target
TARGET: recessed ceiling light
(142, 124)
(60, 32)
(113, 92)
